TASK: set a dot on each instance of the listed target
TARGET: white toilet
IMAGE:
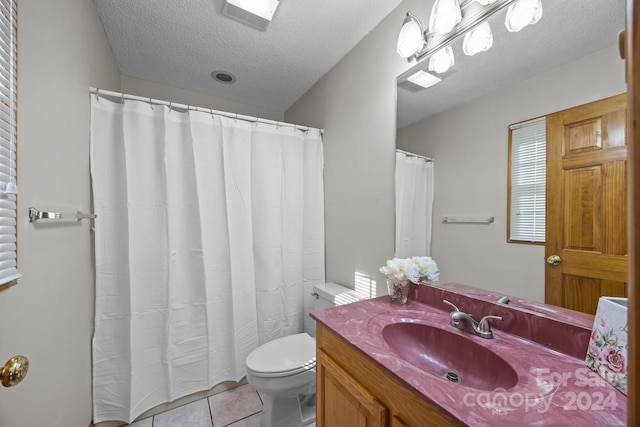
(284, 370)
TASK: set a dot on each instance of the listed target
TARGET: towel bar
(35, 214)
(460, 220)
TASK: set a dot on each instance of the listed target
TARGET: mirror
(570, 57)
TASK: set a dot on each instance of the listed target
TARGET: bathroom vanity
(380, 364)
(362, 394)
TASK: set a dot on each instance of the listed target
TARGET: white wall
(355, 104)
(48, 316)
(469, 144)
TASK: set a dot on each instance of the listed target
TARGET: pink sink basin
(449, 356)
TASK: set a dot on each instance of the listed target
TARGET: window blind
(8, 130)
(528, 181)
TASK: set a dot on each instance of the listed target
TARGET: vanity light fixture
(445, 15)
(523, 13)
(442, 60)
(478, 40)
(424, 79)
(410, 39)
(445, 26)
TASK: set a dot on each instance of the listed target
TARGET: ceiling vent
(254, 13)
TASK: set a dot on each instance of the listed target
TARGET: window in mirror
(527, 181)
(8, 131)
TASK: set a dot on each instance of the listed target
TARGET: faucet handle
(451, 304)
(483, 325)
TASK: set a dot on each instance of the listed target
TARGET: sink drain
(452, 376)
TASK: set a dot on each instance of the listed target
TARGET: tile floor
(238, 407)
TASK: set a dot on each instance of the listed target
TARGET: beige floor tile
(234, 405)
(194, 414)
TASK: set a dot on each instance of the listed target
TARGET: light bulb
(478, 40)
(442, 60)
(523, 13)
(410, 39)
(445, 15)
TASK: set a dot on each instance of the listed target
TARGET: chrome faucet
(465, 322)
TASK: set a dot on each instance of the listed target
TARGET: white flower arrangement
(415, 269)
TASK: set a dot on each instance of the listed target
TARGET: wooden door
(631, 51)
(586, 204)
(342, 401)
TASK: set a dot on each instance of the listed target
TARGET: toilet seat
(284, 356)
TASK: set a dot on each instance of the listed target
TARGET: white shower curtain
(208, 231)
(414, 205)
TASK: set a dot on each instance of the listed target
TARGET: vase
(398, 290)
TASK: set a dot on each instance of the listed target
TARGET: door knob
(14, 371)
(554, 260)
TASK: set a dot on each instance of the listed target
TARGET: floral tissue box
(607, 352)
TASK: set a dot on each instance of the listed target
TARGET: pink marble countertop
(545, 345)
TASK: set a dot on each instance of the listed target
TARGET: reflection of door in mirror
(586, 245)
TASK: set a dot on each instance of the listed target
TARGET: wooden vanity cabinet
(353, 391)
(344, 401)
(397, 422)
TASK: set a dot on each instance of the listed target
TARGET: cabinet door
(342, 401)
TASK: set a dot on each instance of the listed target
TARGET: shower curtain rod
(427, 159)
(101, 92)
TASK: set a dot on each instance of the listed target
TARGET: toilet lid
(283, 356)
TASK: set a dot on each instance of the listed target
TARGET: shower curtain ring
(97, 94)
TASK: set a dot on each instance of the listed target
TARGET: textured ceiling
(180, 42)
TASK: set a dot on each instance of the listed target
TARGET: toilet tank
(326, 295)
